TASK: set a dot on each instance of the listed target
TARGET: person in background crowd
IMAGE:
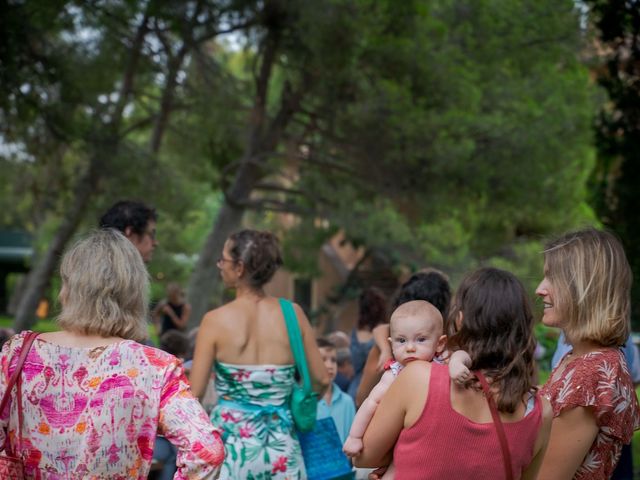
(586, 293)
(345, 372)
(137, 222)
(372, 311)
(247, 340)
(335, 403)
(93, 397)
(345, 368)
(173, 312)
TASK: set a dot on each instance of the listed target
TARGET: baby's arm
(381, 337)
(353, 445)
(459, 364)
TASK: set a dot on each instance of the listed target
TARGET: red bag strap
(15, 378)
(506, 455)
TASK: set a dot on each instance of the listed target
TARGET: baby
(416, 334)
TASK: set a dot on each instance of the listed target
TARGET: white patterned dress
(254, 417)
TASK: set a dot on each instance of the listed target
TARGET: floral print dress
(93, 413)
(599, 380)
(254, 416)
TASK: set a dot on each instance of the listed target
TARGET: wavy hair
(372, 309)
(105, 287)
(497, 332)
(591, 280)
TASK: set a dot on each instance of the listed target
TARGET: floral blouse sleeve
(185, 424)
(599, 380)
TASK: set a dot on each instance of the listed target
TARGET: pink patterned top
(599, 380)
(94, 412)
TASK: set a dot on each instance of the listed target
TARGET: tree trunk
(205, 280)
(38, 278)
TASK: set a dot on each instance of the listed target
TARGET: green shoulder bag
(304, 401)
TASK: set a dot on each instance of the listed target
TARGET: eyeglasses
(222, 260)
(151, 233)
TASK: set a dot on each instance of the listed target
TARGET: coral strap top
(445, 444)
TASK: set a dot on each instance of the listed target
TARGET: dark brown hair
(372, 309)
(259, 252)
(497, 332)
(430, 285)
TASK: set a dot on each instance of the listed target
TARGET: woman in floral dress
(94, 398)
(585, 292)
(254, 372)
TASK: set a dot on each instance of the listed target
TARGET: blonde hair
(105, 287)
(591, 279)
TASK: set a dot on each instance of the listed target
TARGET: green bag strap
(295, 340)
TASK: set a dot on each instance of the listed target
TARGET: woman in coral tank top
(434, 428)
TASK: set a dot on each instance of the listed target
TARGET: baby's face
(416, 337)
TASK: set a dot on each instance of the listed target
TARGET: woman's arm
(572, 435)
(179, 321)
(184, 318)
(542, 441)
(407, 393)
(204, 355)
(381, 335)
(370, 375)
(185, 424)
(319, 375)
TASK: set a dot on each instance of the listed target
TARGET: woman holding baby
(432, 427)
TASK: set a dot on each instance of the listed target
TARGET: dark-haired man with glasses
(137, 221)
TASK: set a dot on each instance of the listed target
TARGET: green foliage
(447, 133)
(614, 182)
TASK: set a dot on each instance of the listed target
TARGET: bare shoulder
(415, 372)
(217, 317)
(298, 309)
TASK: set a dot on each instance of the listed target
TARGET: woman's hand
(377, 473)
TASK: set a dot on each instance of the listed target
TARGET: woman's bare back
(252, 331)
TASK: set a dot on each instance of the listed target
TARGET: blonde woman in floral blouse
(93, 397)
(585, 292)
(254, 372)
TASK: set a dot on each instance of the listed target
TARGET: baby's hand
(385, 356)
(352, 446)
(459, 372)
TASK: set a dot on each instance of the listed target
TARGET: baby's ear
(442, 342)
